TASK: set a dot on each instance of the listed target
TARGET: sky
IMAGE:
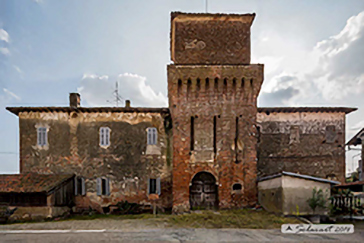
(313, 52)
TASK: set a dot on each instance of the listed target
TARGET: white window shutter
(98, 186)
(158, 186)
(83, 188)
(107, 136)
(148, 136)
(155, 136)
(39, 138)
(75, 184)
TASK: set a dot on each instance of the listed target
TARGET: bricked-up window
(152, 136)
(80, 188)
(102, 186)
(192, 133)
(215, 122)
(42, 136)
(104, 136)
(330, 134)
(154, 186)
(294, 134)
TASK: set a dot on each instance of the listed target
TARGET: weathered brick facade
(213, 107)
(73, 147)
(213, 142)
(305, 142)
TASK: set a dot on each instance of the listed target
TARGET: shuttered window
(104, 136)
(80, 188)
(42, 136)
(102, 186)
(154, 186)
(152, 136)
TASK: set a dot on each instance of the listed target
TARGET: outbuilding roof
(31, 182)
(307, 177)
(356, 139)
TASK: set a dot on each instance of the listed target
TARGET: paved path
(175, 235)
(151, 230)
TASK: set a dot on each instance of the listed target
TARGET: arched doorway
(203, 191)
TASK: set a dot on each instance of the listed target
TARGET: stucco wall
(297, 191)
(270, 195)
(307, 152)
(74, 148)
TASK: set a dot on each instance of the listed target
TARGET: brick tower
(212, 90)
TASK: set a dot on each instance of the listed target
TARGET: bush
(317, 200)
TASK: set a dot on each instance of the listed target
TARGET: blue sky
(312, 50)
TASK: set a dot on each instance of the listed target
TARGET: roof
(249, 15)
(356, 183)
(31, 182)
(307, 177)
(347, 110)
(17, 110)
(356, 139)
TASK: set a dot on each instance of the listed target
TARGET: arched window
(152, 136)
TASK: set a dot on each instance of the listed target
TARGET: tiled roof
(307, 177)
(31, 182)
(356, 183)
(347, 110)
(17, 110)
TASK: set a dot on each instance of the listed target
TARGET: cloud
(5, 51)
(99, 90)
(11, 94)
(4, 36)
(340, 71)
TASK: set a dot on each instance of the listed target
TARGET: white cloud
(5, 51)
(11, 94)
(4, 36)
(99, 90)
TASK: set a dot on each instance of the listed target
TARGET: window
(42, 136)
(237, 187)
(154, 186)
(294, 135)
(104, 136)
(80, 186)
(103, 186)
(152, 136)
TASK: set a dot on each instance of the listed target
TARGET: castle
(206, 150)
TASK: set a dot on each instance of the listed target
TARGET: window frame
(42, 136)
(104, 137)
(80, 187)
(102, 190)
(152, 136)
(157, 186)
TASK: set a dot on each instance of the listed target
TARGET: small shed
(287, 193)
(37, 195)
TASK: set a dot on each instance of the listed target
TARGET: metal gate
(203, 191)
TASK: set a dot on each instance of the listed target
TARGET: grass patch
(110, 216)
(242, 218)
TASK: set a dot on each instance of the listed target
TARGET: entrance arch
(203, 191)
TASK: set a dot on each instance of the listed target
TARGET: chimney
(127, 104)
(75, 100)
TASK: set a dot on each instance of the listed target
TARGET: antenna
(206, 6)
(116, 94)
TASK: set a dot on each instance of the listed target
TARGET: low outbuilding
(287, 193)
(37, 195)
